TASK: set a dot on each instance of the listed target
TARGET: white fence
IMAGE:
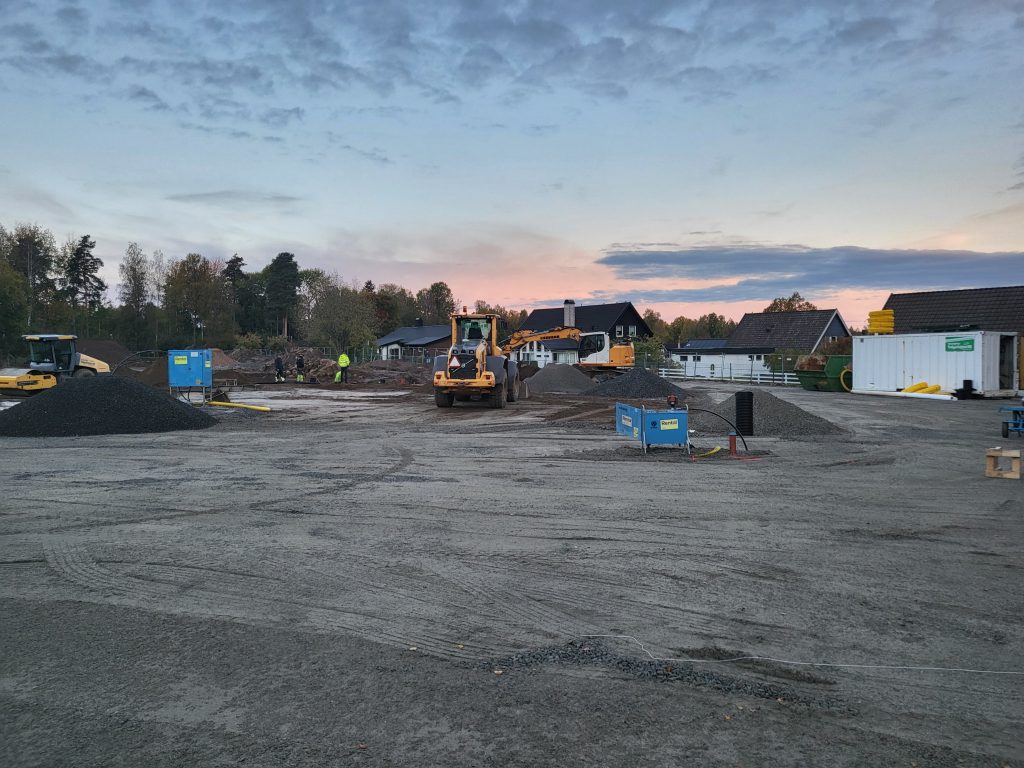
(730, 373)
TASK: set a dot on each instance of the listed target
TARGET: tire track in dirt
(164, 588)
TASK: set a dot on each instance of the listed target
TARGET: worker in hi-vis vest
(342, 374)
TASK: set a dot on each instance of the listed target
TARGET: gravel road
(375, 581)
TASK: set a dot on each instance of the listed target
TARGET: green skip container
(835, 375)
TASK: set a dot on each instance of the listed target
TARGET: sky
(687, 156)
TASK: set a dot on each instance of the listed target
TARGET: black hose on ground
(705, 410)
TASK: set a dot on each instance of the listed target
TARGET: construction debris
(100, 405)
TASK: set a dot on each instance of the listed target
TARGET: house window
(696, 358)
(754, 357)
(632, 331)
(618, 331)
(684, 358)
(833, 338)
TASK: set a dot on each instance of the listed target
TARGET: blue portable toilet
(189, 369)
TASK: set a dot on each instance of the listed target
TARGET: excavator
(52, 357)
(596, 351)
(477, 365)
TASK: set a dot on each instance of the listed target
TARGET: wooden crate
(992, 457)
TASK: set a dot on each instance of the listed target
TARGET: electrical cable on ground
(813, 663)
(735, 429)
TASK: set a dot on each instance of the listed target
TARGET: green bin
(827, 380)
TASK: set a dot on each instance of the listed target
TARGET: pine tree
(81, 282)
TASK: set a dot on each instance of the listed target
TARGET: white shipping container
(893, 362)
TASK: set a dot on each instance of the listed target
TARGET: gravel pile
(560, 378)
(772, 418)
(100, 405)
(593, 652)
(637, 384)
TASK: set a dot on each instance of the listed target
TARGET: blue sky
(688, 155)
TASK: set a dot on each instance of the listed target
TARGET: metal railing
(730, 373)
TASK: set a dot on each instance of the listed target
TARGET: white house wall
(717, 366)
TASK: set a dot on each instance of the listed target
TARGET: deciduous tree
(13, 308)
(794, 303)
(436, 303)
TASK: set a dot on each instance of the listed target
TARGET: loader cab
(51, 353)
(470, 330)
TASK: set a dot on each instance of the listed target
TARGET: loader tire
(513, 391)
(444, 399)
(498, 396)
(82, 373)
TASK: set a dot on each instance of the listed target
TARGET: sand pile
(221, 360)
(560, 378)
(100, 405)
(636, 384)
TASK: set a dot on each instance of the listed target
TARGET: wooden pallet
(992, 468)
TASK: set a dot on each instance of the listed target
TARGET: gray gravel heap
(593, 652)
(773, 417)
(100, 405)
(636, 384)
(560, 378)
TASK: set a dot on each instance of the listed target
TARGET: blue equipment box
(652, 427)
(189, 368)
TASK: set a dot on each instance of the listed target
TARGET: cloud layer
(762, 272)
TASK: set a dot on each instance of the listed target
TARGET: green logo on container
(959, 344)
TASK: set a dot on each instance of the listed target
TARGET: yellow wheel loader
(51, 357)
(476, 366)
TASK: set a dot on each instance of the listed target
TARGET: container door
(1006, 362)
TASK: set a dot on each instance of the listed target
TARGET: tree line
(162, 303)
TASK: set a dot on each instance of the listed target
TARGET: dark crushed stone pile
(773, 417)
(593, 652)
(637, 384)
(100, 405)
(560, 378)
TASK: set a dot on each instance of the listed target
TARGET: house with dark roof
(713, 357)
(620, 321)
(801, 332)
(418, 342)
(970, 309)
(758, 336)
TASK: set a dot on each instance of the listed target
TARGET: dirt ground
(362, 579)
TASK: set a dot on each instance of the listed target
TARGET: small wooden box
(992, 457)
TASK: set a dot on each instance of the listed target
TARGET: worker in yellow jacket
(342, 374)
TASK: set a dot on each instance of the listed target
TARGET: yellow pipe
(930, 390)
(260, 408)
(916, 387)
